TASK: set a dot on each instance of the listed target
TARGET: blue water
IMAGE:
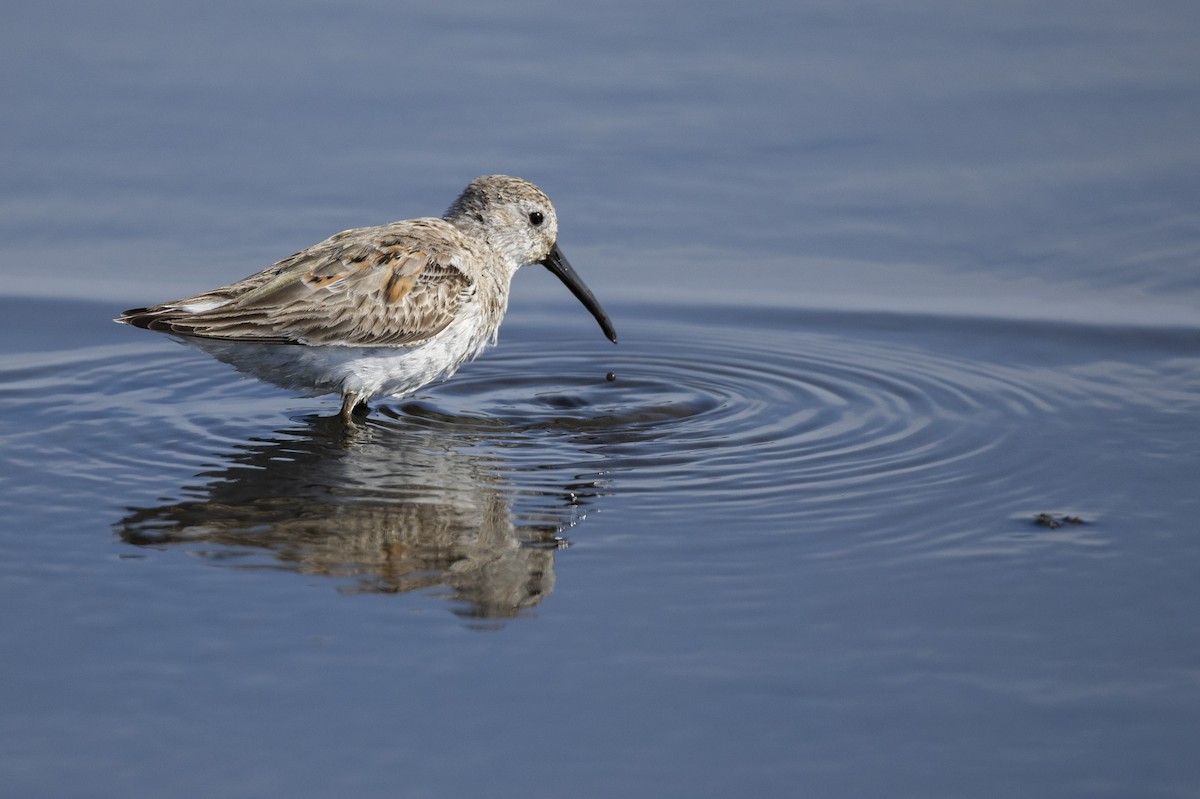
(890, 283)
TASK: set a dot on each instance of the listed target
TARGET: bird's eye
(536, 218)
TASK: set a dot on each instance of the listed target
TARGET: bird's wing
(393, 285)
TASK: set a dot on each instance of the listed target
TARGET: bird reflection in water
(395, 505)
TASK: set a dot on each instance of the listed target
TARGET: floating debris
(1055, 520)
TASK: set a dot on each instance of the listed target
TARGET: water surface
(824, 525)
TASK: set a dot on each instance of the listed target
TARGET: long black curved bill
(557, 263)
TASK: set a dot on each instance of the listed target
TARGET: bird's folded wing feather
(394, 285)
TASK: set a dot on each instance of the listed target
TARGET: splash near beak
(557, 263)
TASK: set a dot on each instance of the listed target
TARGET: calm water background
(889, 283)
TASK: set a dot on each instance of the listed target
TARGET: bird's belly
(366, 371)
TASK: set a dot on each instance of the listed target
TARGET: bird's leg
(353, 406)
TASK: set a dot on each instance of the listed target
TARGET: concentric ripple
(741, 416)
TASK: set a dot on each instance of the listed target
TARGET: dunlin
(380, 311)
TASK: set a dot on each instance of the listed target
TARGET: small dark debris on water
(1056, 520)
(611, 376)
